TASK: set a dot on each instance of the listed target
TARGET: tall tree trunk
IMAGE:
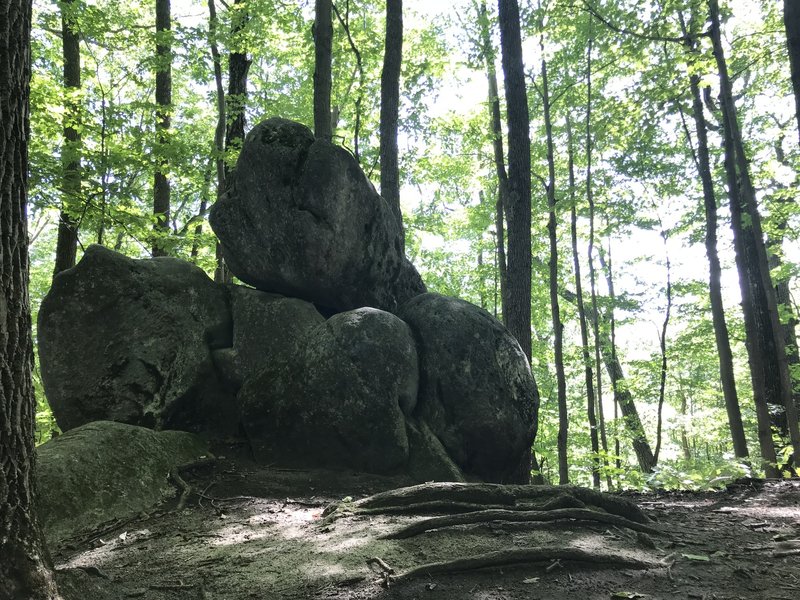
(622, 393)
(231, 109)
(488, 53)
(721, 337)
(25, 568)
(791, 20)
(323, 43)
(67, 242)
(765, 344)
(221, 274)
(662, 341)
(587, 361)
(590, 251)
(780, 225)
(390, 107)
(238, 68)
(518, 208)
(555, 311)
(161, 185)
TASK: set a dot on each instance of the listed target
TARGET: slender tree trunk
(519, 178)
(221, 273)
(25, 568)
(323, 43)
(488, 52)
(390, 108)
(791, 20)
(161, 185)
(587, 361)
(662, 384)
(67, 242)
(782, 291)
(555, 311)
(759, 302)
(219, 131)
(236, 100)
(622, 393)
(592, 274)
(235, 106)
(607, 265)
(703, 163)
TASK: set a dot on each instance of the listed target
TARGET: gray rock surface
(104, 471)
(427, 458)
(477, 393)
(338, 401)
(129, 341)
(301, 219)
(264, 325)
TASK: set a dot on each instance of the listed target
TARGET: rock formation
(310, 224)
(477, 395)
(130, 341)
(104, 471)
(340, 399)
(395, 380)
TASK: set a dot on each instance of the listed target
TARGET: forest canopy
(664, 159)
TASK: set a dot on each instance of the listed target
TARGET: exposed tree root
(516, 556)
(423, 497)
(186, 489)
(518, 516)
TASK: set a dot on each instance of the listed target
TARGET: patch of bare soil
(239, 532)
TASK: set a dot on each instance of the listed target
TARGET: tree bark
(662, 341)
(221, 273)
(791, 20)
(67, 241)
(780, 224)
(622, 394)
(555, 310)
(219, 131)
(236, 100)
(766, 349)
(587, 361)
(488, 52)
(25, 568)
(161, 184)
(323, 43)
(721, 336)
(519, 177)
(390, 108)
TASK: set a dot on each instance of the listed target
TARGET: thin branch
(642, 36)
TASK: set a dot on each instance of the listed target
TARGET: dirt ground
(254, 533)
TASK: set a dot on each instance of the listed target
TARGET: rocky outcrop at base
(103, 471)
(477, 394)
(339, 400)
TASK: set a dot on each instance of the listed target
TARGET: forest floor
(255, 533)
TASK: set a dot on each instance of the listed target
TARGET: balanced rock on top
(301, 219)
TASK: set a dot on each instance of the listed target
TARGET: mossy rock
(105, 470)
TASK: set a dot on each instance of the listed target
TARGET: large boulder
(104, 471)
(339, 400)
(264, 325)
(301, 219)
(477, 393)
(130, 341)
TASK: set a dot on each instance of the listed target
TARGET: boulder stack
(394, 380)
(311, 225)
